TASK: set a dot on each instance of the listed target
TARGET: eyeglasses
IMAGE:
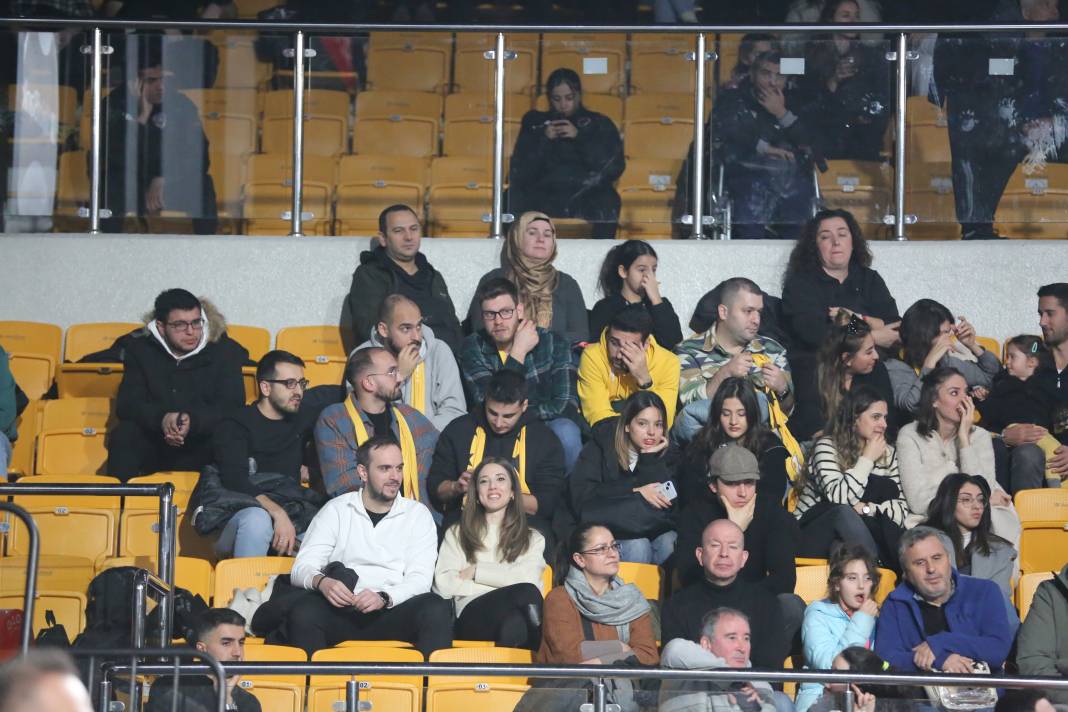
(969, 501)
(290, 383)
(195, 325)
(603, 549)
(392, 373)
(504, 314)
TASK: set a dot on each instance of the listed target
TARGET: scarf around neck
(621, 604)
(536, 281)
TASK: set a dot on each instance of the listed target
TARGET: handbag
(629, 516)
(964, 698)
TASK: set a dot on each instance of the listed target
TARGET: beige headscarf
(536, 281)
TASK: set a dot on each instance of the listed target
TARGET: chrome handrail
(30, 586)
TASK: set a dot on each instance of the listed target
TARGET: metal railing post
(352, 696)
(600, 696)
(296, 225)
(697, 182)
(30, 586)
(848, 706)
(899, 145)
(167, 532)
(139, 606)
(105, 693)
(96, 79)
(498, 138)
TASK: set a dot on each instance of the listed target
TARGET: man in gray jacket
(428, 370)
(1042, 647)
(724, 643)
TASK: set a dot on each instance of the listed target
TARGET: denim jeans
(644, 551)
(570, 437)
(248, 533)
(5, 455)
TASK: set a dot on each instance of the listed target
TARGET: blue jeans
(693, 417)
(644, 551)
(5, 455)
(248, 533)
(570, 437)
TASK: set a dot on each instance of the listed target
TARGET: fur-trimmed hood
(216, 320)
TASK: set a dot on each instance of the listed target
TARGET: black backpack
(108, 609)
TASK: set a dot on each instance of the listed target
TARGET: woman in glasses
(623, 478)
(961, 509)
(491, 563)
(592, 617)
(551, 298)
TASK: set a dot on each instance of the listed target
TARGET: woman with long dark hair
(628, 276)
(491, 562)
(944, 439)
(932, 337)
(850, 490)
(961, 509)
(591, 603)
(620, 478)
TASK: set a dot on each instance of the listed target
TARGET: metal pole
(165, 565)
(697, 183)
(139, 605)
(848, 698)
(498, 137)
(298, 135)
(899, 145)
(352, 696)
(95, 129)
(105, 693)
(30, 587)
(600, 696)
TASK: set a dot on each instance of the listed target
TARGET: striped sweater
(828, 482)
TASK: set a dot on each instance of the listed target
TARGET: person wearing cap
(722, 555)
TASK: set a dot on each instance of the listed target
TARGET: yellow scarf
(777, 420)
(407, 446)
(418, 394)
(519, 453)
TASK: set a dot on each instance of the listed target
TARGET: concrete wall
(277, 281)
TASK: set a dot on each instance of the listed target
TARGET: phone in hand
(667, 491)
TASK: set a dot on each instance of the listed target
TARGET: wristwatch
(386, 599)
(866, 509)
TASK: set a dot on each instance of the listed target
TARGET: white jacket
(490, 573)
(396, 557)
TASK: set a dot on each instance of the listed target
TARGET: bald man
(721, 556)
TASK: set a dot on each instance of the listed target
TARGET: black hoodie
(545, 459)
(378, 276)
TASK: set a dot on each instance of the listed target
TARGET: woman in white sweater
(944, 440)
(491, 564)
(851, 490)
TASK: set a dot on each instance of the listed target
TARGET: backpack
(108, 609)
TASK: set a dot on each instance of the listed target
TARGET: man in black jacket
(396, 266)
(182, 374)
(269, 435)
(500, 427)
(722, 555)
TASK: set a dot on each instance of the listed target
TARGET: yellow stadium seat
(323, 136)
(812, 583)
(647, 577)
(278, 693)
(139, 523)
(862, 187)
(457, 210)
(665, 137)
(255, 339)
(546, 580)
(194, 575)
(480, 106)
(374, 644)
(404, 135)
(1044, 540)
(397, 693)
(91, 379)
(248, 9)
(44, 101)
(990, 344)
(1032, 205)
(268, 207)
(233, 133)
(23, 449)
(77, 413)
(317, 102)
(383, 103)
(599, 59)
(233, 101)
(321, 348)
(250, 572)
(71, 452)
(929, 196)
(72, 188)
(71, 525)
(227, 171)
(473, 72)
(33, 350)
(662, 63)
(928, 132)
(658, 107)
(69, 607)
(364, 169)
(238, 67)
(55, 572)
(417, 62)
(803, 561)
(1025, 590)
(276, 167)
(473, 136)
(647, 189)
(84, 339)
(474, 693)
(607, 104)
(358, 206)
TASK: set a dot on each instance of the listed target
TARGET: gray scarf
(618, 606)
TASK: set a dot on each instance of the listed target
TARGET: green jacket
(8, 413)
(1042, 646)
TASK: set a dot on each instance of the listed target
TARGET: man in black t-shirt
(268, 436)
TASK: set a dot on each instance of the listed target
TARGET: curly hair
(805, 256)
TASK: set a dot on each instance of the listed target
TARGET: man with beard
(429, 376)
(373, 409)
(267, 436)
(367, 564)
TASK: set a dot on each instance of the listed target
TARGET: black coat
(545, 459)
(207, 385)
(807, 417)
(1014, 401)
(666, 328)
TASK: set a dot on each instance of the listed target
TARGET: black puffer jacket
(213, 504)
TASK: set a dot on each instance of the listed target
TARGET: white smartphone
(667, 490)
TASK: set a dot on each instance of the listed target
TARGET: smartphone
(667, 491)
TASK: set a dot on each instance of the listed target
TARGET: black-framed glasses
(194, 324)
(603, 549)
(504, 314)
(290, 383)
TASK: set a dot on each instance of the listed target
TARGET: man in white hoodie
(430, 378)
(724, 643)
(384, 546)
